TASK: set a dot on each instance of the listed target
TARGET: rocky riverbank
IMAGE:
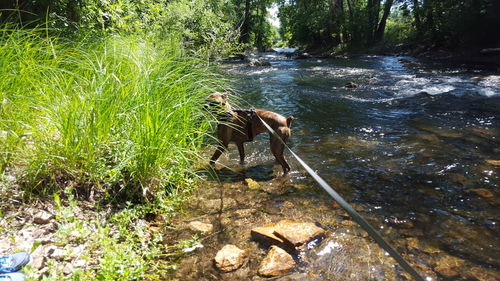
(246, 213)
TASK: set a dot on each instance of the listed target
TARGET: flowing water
(421, 167)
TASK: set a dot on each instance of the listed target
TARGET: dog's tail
(289, 121)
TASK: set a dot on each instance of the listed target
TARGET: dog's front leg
(218, 153)
(224, 134)
(241, 150)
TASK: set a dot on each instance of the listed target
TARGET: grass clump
(121, 113)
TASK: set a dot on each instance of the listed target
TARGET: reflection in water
(429, 159)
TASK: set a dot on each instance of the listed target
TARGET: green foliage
(399, 28)
(453, 23)
(360, 23)
(203, 27)
(122, 15)
(120, 112)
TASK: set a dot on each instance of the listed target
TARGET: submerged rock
(216, 205)
(198, 226)
(230, 258)
(448, 266)
(493, 162)
(276, 262)
(304, 55)
(483, 192)
(400, 223)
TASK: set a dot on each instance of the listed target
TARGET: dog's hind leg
(277, 148)
(241, 151)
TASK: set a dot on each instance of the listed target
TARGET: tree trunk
(373, 8)
(352, 35)
(379, 34)
(245, 26)
(418, 21)
(334, 22)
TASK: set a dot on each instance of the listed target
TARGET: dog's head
(217, 103)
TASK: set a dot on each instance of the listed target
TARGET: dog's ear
(225, 95)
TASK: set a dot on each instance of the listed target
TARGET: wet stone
(400, 223)
(347, 223)
(258, 62)
(252, 184)
(265, 234)
(351, 85)
(230, 258)
(276, 262)
(243, 213)
(480, 274)
(198, 226)
(483, 192)
(447, 266)
(301, 277)
(297, 233)
(215, 205)
(494, 162)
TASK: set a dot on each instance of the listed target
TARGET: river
(414, 147)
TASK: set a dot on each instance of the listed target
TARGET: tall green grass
(116, 113)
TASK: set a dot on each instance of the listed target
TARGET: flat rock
(276, 262)
(297, 233)
(198, 226)
(230, 258)
(266, 234)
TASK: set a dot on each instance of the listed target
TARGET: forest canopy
(220, 24)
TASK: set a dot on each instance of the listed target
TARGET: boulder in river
(258, 62)
(276, 262)
(304, 55)
(351, 85)
(230, 258)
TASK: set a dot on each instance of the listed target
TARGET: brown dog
(240, 126)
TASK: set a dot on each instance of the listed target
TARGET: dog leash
(353, 213)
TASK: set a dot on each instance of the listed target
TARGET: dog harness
(249, 113)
